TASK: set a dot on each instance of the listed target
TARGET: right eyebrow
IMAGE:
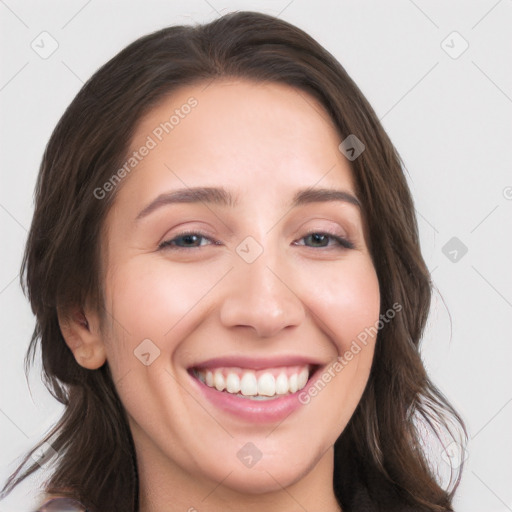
(190, 195)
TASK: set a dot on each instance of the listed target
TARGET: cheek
(344, 297)
(145, 302)
(345, 305)
(151, 299)
(154, 301)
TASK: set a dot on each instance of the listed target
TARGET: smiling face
(271, 282)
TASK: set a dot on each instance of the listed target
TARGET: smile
(255, 389)
(265, 384)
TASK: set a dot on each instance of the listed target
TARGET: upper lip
(257, 363)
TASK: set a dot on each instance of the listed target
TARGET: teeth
(249, 384)
(267, 385)
(261, 385)
(282, 384)
(303, 378)
(219, 382)
(233, 383)
(293, 383)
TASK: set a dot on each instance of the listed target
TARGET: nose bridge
(260, 296)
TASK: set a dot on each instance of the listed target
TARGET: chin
(263, 479)
(269, 474)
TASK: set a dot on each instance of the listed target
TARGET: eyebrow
(221, 196)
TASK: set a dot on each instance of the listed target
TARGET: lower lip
(255, 411)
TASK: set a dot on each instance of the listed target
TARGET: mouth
(264, 384)
(254, 390)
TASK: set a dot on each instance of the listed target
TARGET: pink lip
(256, 363)
(253, 411)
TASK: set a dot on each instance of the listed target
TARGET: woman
(226, 275)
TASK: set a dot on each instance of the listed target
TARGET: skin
(262, 142)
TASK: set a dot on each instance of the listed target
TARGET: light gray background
(450, 119)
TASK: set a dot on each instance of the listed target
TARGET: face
(228, 307)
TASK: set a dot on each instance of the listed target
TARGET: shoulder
(61, 505)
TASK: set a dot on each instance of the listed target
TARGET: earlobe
(82, 335)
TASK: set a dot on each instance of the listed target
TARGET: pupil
(318, 237)
(189, 238)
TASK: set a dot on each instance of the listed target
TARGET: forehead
(266, 138)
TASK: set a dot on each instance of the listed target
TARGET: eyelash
(343, 243)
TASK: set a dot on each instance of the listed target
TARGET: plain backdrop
(437, 74)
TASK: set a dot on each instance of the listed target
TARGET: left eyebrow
(221, 196)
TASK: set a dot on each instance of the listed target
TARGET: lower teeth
(257, 397)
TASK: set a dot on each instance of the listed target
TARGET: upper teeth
(277, 381)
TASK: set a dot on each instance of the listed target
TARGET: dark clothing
(62, 505)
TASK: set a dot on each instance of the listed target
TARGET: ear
(81, 332)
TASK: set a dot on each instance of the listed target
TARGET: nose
(261, 297)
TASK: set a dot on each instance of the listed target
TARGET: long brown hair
(379, 455)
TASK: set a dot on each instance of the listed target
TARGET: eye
(321, 240)
(189, 239)
(192, 240)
